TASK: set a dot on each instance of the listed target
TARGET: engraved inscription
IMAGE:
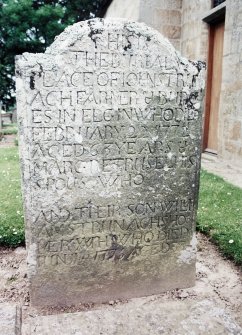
(102, 232)
(110, 137)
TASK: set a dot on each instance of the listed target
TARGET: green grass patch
(9, 129)
(11, 211)
(220, 214)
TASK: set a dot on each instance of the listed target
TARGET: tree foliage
(30, 26)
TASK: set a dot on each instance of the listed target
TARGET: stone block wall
(181, 22)
(178, 20)
(194, 32)
(164, 16)
(124, 8)
(230, 131)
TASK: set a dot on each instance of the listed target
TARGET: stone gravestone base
(110, 137)
(10, 319)
(141, 317)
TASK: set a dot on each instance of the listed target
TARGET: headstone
(10, 319)
(110, 136)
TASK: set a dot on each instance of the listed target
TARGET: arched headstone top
(132, 35)
(110, 136)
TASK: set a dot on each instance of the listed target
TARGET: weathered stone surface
(139, 317)
(110, 131)
(9, 319)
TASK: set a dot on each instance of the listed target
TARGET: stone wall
(164, 16)
(230, 143)
(194, 45)
(181, 22)
(194, 32)
(124, 8)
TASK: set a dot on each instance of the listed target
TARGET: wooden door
(214, 78)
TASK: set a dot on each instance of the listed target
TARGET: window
(217, 2)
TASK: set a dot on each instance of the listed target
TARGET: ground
(218, 280)
(8, 141)
(230, 172)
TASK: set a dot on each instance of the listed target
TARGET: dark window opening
(217, 2)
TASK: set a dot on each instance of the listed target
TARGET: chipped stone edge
(188, 255)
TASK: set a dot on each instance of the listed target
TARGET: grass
(9, 129)
(11, 212)
(219, 212)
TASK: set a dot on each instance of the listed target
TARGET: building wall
(194, 32)
(164, 16)
(178, 20)
(230, 130)
(124, 8)
(181, 22)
